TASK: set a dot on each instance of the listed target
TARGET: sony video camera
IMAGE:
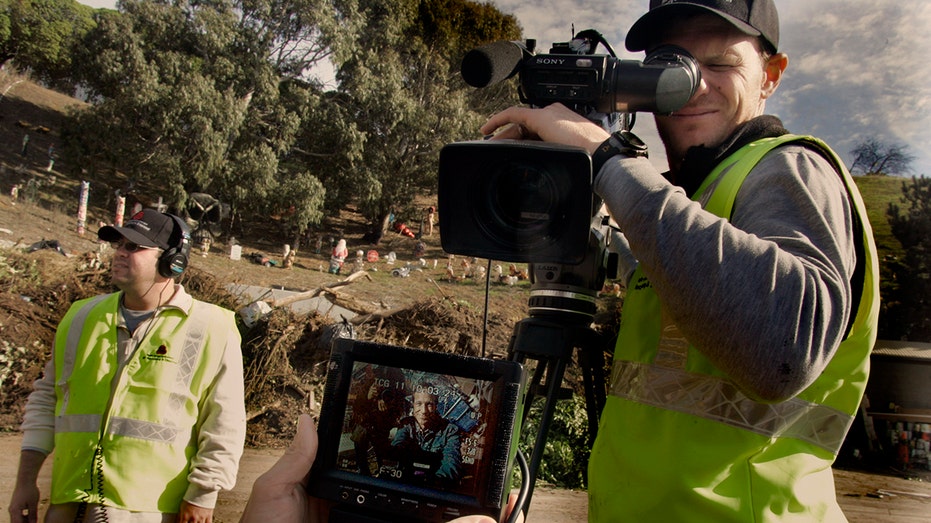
(522, 201)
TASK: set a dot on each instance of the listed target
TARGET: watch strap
(620, 143)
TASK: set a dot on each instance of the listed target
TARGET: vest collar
(700, 161)
(180, 300)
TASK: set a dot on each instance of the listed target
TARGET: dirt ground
(864, 498)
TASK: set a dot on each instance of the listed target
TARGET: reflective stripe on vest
(72, 340)
(720, 400)
(120, 426)
(145, 430)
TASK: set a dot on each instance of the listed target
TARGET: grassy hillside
(878, 192)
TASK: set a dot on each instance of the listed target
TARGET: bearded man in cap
(142, 401)
(743, 350)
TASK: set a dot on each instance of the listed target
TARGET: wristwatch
(623, 143)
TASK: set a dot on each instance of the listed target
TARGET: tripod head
(566, 293)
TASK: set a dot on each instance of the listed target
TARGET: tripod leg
(533, 386)
(555, 369)
(551, 346)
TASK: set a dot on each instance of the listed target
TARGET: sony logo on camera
(549, 60)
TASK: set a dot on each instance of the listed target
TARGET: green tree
(906, 293)
(165, 117)
(6, 30)
(297, 35)
(39, 35)
(280, 43)
(200, 97)
(403, 99)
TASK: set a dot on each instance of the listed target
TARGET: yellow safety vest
(685, 444)
(124, 436)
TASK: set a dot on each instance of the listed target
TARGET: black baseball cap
(752, 17)
(148, 228)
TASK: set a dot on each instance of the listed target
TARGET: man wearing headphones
(143, 398)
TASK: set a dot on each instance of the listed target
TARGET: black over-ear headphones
(173, 261)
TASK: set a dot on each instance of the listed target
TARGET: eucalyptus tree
(38, 36)
(400, 99)
(166, 105)
(206, 96)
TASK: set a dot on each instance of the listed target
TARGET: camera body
(662, 83)
(373, 468)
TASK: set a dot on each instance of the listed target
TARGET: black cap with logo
(148, 228)
(752, 17)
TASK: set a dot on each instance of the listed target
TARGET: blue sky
(857, 68)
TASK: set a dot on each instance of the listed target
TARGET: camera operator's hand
(512, 500)
(554, 123)
(279, 494)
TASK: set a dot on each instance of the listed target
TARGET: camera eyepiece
(678, 80)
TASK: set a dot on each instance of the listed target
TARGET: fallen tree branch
(288, 300)
(348, 302)
(265, 408)
(435, 284)
(377, 315)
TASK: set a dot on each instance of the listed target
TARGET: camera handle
(551, 344)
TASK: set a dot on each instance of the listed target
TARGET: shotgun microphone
(493, 63)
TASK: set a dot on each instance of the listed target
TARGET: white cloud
(855, 71)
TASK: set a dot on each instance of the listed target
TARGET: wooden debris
(316, 292)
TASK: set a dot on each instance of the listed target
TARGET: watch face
(630, 139)
(630, 144)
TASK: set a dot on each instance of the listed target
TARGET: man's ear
(772, 73)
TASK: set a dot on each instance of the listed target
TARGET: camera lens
(522, 203)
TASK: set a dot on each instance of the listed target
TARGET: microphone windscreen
(491, 63)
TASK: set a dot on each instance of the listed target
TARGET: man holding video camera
(743, 350)
(744, 343)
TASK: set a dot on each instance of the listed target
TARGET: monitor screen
(404, 428)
